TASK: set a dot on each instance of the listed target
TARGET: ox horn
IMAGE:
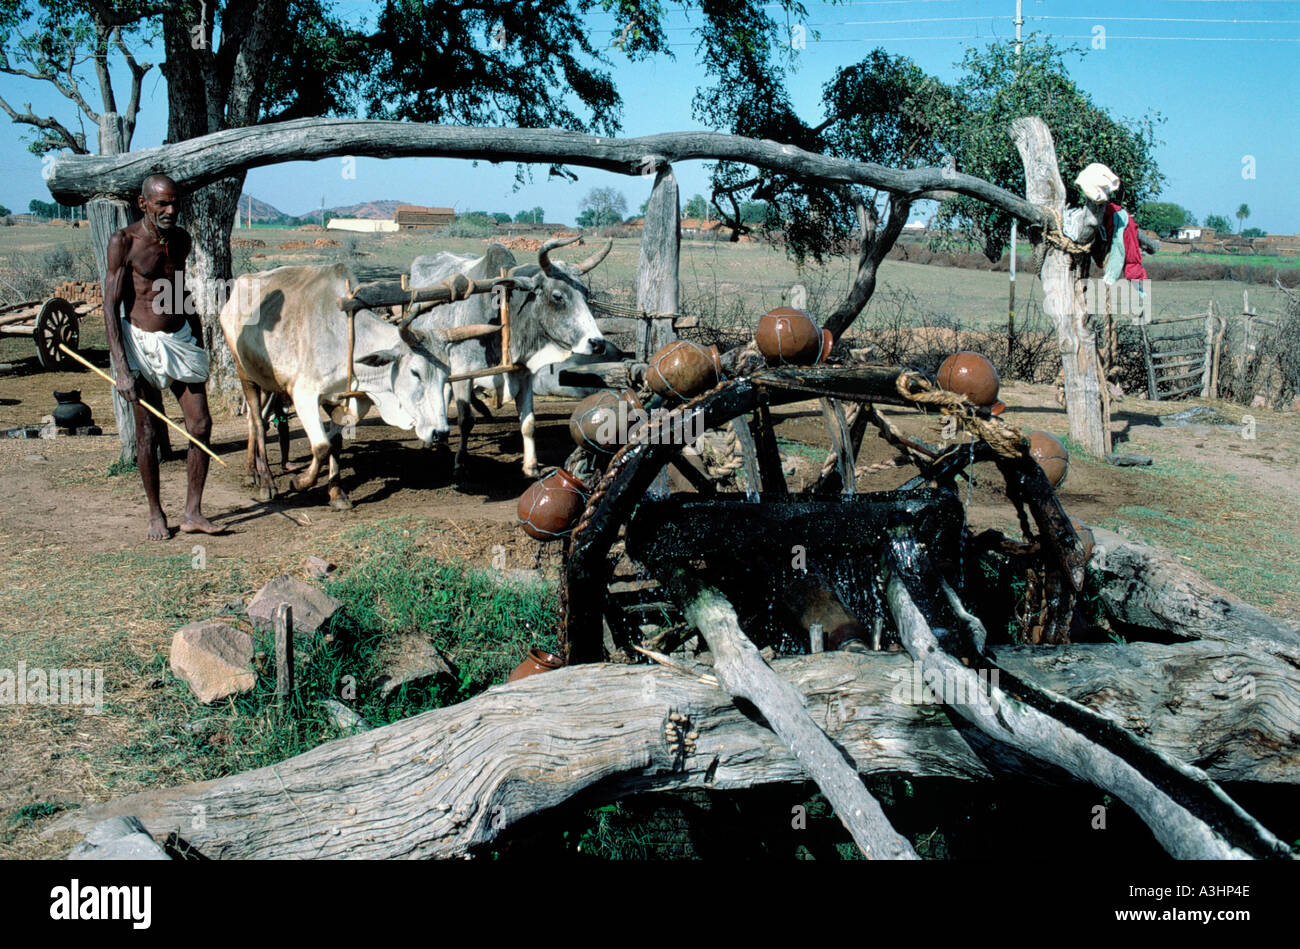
(458, 334)
(591, 262)
(544, 255)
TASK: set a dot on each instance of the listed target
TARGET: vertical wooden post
(106, 216)
(1207, 370)
(283, 625)
(1063, 296)
(657, 269)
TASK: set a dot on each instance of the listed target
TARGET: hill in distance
(263, 213)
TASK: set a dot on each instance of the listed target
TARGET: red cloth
(1133, 269)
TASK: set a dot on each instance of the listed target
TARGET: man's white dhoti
(163, 358)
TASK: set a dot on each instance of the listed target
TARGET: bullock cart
(50, 323)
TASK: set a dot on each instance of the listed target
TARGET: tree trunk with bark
(1063, 291)
(210, 90)
(449, 781)
(107, 215)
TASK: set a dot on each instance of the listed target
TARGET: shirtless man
(154, 347)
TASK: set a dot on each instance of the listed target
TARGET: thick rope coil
(1007, 440)
(720, 452)
(1055, 234)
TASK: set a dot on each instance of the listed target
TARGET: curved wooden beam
(199, 161)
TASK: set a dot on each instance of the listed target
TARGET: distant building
(1192, 232)
(363, 225)
(694, 227)
(414, 215)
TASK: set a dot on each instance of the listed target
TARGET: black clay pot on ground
(71, 412)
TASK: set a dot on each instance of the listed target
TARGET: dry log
(744, 674)
(107, 215)
(198, 161)
(656, 276)
(1185, 810)
(445, 782)
(1141, 586)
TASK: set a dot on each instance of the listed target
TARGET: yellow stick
(150, 408)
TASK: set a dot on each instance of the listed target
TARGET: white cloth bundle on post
(1098, 183)
(163, 358)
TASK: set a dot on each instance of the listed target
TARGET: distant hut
(414, 215)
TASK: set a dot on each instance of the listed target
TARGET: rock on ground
(118, 838)
(214, 659)
(311, 605)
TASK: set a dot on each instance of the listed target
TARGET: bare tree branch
(60, 138)
(138, 71)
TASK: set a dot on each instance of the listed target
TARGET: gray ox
(549, 322)
(289, 337)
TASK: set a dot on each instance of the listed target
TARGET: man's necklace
(157, 235)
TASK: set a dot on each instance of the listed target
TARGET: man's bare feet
(291, 466)
(158, 529)
(198, 524)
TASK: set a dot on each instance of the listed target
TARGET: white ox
(289, 337)
(549, 322)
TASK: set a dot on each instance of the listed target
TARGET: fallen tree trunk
(445, 782)
(1142, 586)
(743, 673)
(1187, 813)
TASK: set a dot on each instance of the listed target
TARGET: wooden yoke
(352, 392)
(476, 330)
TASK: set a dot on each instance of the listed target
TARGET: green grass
(121, 467)
(1241, 535)
(394, 589)
(30, 813)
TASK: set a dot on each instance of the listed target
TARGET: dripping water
(749, 457)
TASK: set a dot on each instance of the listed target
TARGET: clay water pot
(539, 660)
(684, 369)
(1051, 455)
(594, 424)
(1086, 536)
(789, 337)
(972, 375)
(828, 343)
(71, 412)
(551, 506)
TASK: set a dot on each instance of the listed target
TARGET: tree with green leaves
(601, 207)
(696, 207)
(45, 209)
(1163, 217)
(1243, 212)
(1219, 222)
(531, 216)
(998, 86)
(1254, 232)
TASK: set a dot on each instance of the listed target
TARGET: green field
(722, 282)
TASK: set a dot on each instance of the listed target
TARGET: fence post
(1209, 352)
(283, 625)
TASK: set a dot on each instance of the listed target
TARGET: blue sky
(1224, 73)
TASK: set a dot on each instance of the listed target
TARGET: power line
(1159, 19)
(928, 19)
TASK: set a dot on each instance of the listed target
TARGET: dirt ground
(84, 588)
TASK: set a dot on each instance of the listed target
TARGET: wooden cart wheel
(56, 323)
